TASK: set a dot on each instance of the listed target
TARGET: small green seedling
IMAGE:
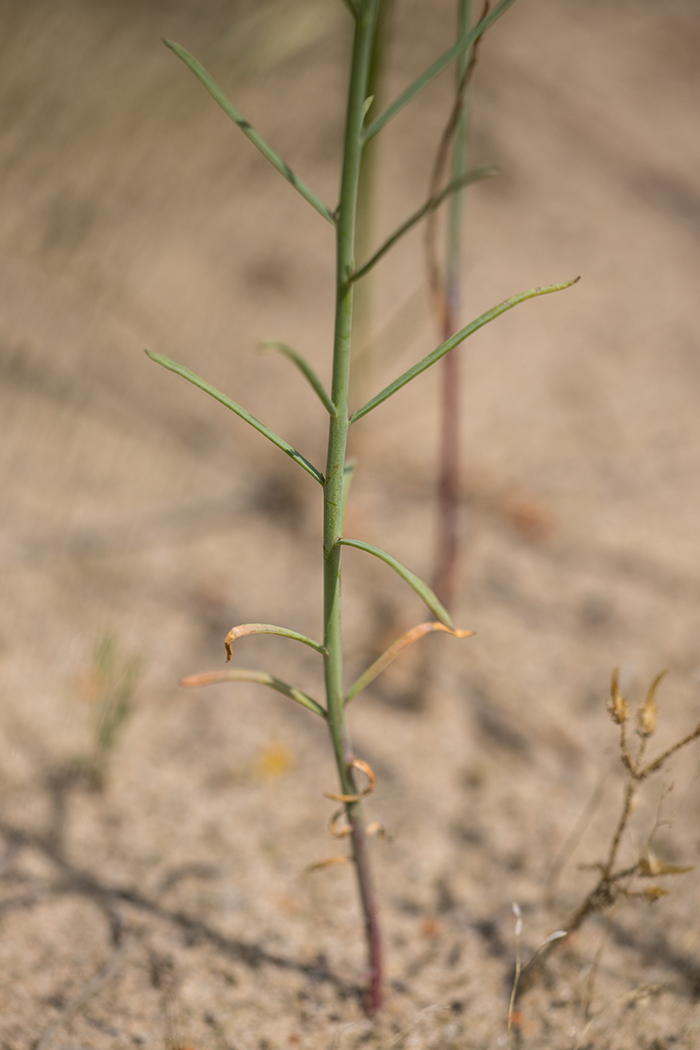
(334, 480)
(111, 685)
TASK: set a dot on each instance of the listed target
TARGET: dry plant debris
(618, 882)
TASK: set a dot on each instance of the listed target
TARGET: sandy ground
(168, 906)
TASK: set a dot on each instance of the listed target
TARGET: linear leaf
(180, 370)
(231, 111)
(306, 370)
(268, 628)
(437, 67)
(454, 341)
(425, 209)
(421, 588)
(241, 674)
(390, 654)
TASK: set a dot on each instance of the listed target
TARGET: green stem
(366, 207)
(333, 484)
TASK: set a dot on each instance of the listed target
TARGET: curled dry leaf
(339, 830)
(245, 629)
(364, 767)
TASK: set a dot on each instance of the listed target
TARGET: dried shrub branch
(616, 883)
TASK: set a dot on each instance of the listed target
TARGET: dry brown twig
(617, 883)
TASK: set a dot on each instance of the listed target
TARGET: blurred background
(141, 521)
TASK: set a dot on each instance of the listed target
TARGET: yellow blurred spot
(274, 761)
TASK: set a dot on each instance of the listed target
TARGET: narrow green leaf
(421, 588)
(307, 371)
(437, 67)
(179, 370)
(244, 629)
(425, 209)
(241, 674)
(231, 111)
(454, 341)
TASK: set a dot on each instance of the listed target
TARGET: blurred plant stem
(448, 305)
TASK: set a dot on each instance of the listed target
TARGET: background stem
(447, 552)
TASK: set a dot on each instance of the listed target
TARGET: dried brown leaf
(390, 654)
(646, 716)
(364, 767)
(651, 866)
(329, 862)
(617, 705)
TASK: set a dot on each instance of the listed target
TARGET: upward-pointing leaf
(437, 67)
(426, 208)
(238, 118)
(394, 650)
(422, 590)
(454, 341)
(180, 370)
(306, 370)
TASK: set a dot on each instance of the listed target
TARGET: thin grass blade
(437, 67)
(454, 341)
(306, 370)
(421, 588)
(230, 110)
(397, 647)
(245, 629)
(180, 370)
(429, 206)
(241, 674)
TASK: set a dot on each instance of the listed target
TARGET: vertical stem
(362, 309)
(333, 487)
(630, 791)
(448, 485)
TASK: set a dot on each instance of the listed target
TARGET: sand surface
(167, 903)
